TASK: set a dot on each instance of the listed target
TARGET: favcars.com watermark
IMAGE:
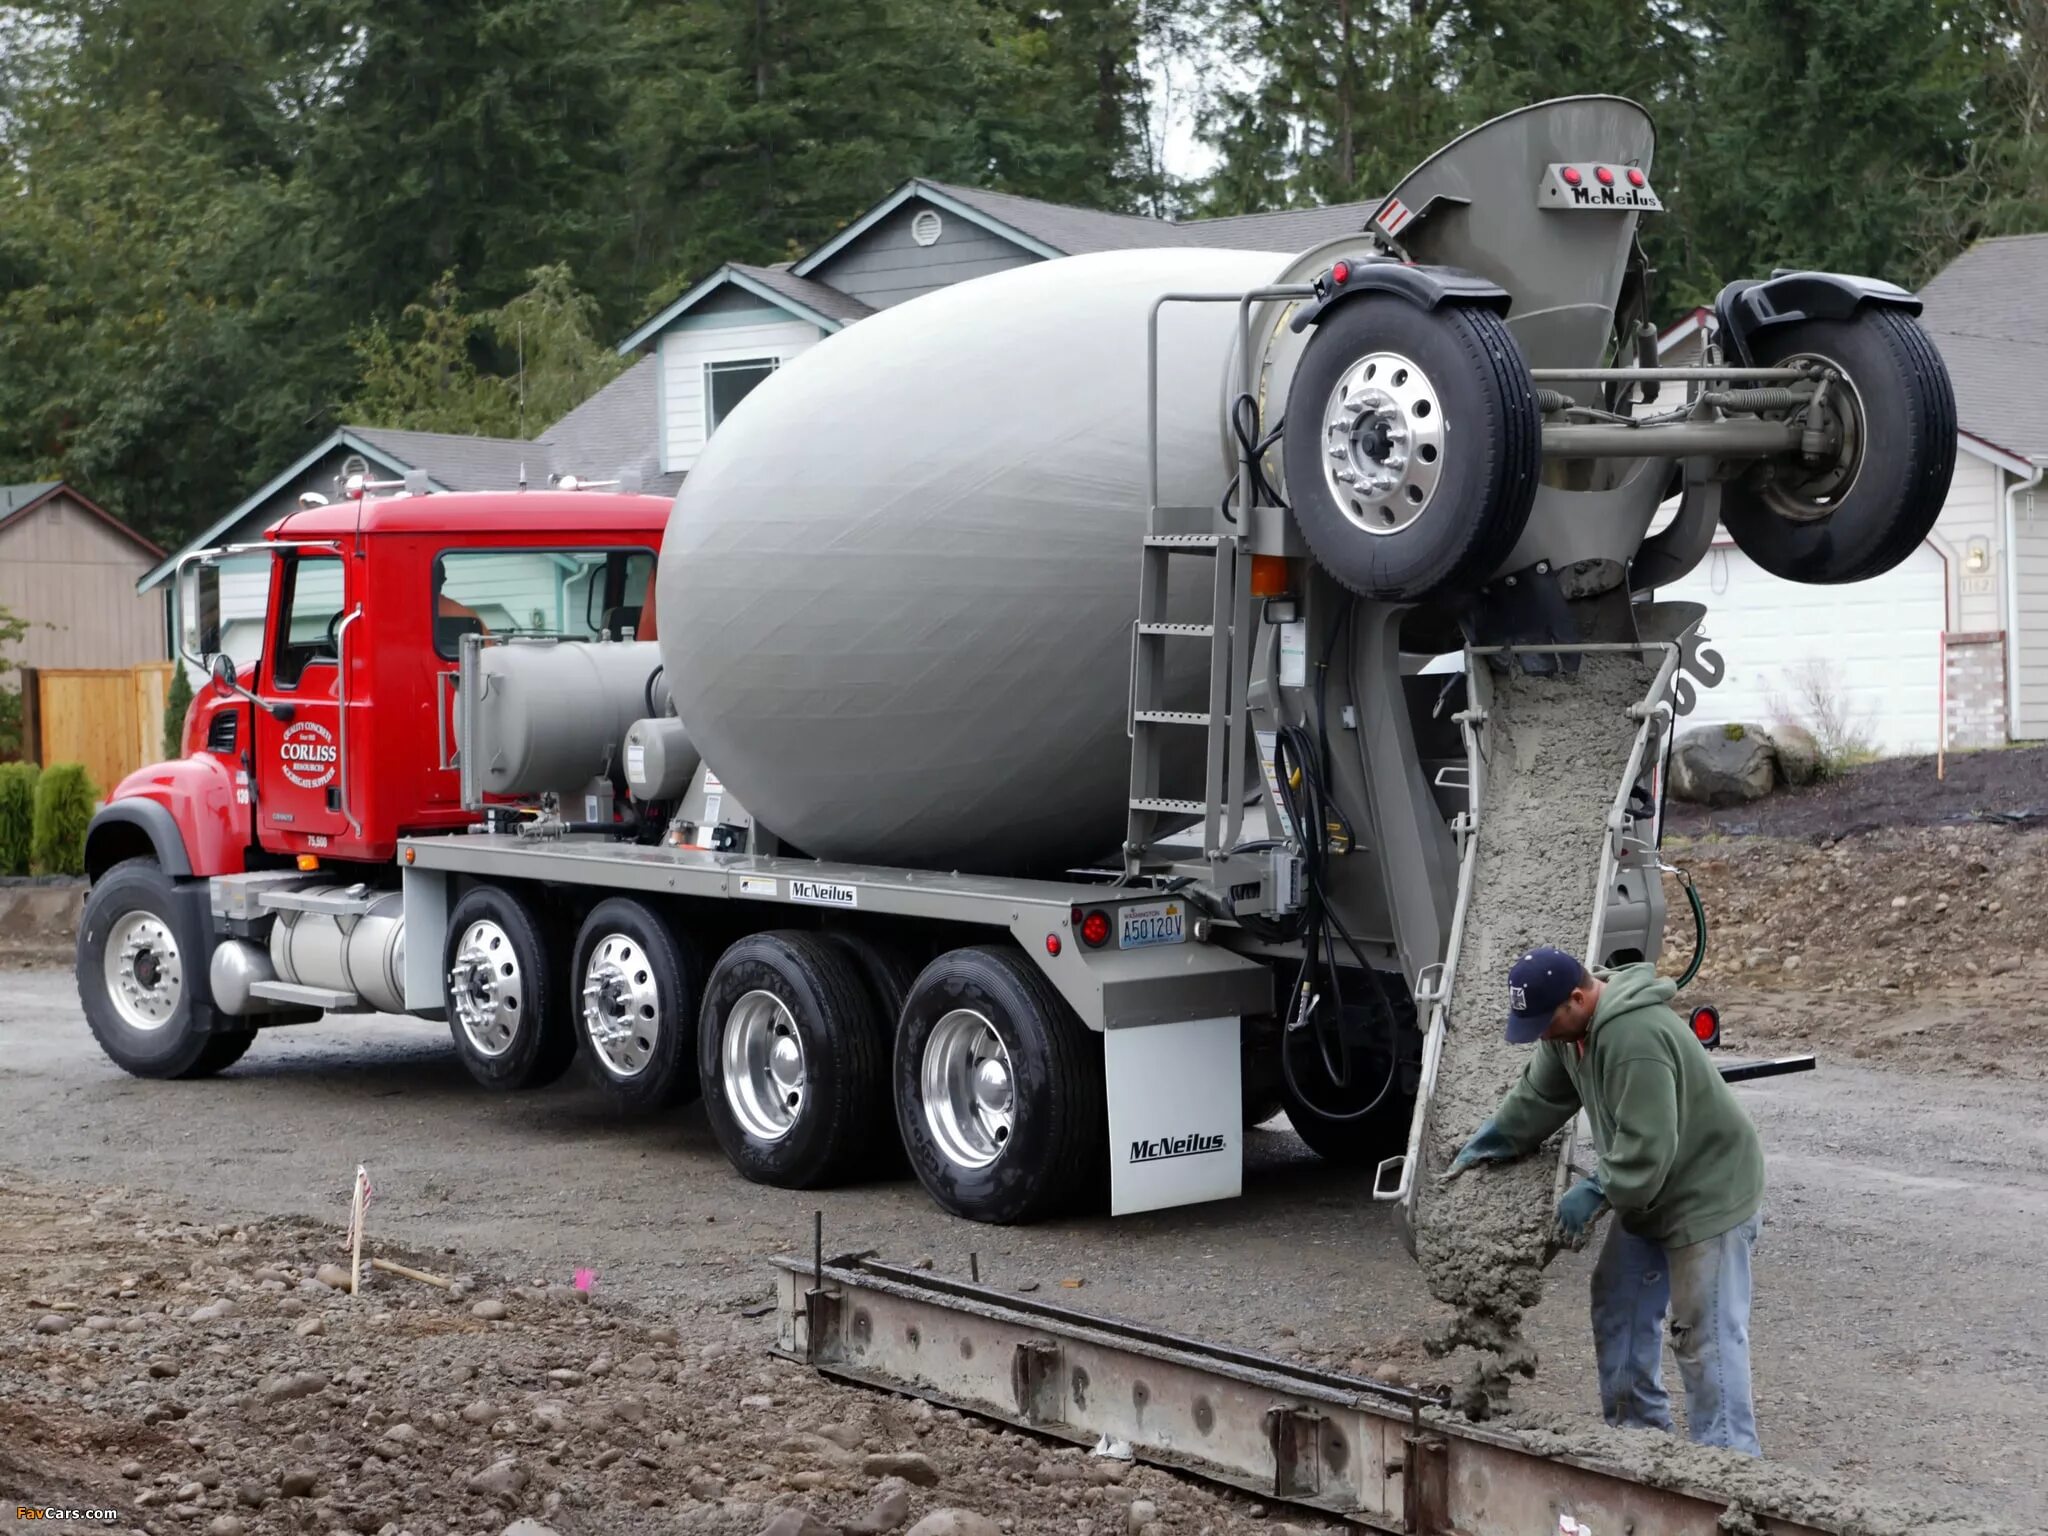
(65, 1512)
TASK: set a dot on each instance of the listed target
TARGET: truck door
(298, 757)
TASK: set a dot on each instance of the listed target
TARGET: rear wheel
(500, 992)
(1350, 1092)
(1412, 447)
(888, 975)
(136, 971)
(791, 1064)
(638, 986)
(999, 1090)
(1871, 502)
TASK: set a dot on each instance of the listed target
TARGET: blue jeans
(1704, 1288)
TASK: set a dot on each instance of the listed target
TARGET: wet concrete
(1556, 748)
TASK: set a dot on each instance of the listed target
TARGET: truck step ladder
(1157, 643)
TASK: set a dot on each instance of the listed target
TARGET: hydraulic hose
(1699, 930)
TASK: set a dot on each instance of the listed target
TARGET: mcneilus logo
(1175, 1146)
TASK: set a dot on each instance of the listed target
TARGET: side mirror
(222, 666)
(199, 612)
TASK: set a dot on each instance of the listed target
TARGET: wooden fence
(109, 718)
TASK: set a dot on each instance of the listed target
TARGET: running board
(1380, 1456)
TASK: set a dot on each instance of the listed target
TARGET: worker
(1680, 1166)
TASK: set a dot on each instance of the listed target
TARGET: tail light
(1706, 1025)
(1095, 929)
(1604, 175)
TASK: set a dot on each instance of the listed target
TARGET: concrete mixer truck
(1071, 728)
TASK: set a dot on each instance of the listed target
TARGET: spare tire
(1862, 514)
(1412, 447)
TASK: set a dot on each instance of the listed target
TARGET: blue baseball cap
(1537, 983)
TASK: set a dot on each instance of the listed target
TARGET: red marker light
(1052, 943)
(1706, 1025)
(1636, 178)
(1571, 176)
(1095, 929)
(1341, 273)
(1604, 175)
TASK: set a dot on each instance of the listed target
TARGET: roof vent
(925, 228)
(355, 464)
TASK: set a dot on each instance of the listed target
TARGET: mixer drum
(897, 589)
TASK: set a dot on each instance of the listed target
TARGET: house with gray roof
(1950, 649)
(700, 355)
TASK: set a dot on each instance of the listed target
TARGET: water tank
(897, 588)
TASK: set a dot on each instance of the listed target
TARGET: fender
(1748, 307)
(1430, 287)
(185, 813)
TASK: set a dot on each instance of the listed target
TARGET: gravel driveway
(1902, 1313)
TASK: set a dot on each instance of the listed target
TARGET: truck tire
(1431, 416)
(1325, 1114)
(133, 969)
(500, 982)
(1863, 514)
(792, 1067)
(889, 975)
(636, 987)
(999, 1090)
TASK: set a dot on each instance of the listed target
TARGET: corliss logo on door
(308, 754)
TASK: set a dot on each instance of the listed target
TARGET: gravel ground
(1901, 1328)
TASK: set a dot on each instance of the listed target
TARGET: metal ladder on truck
(1186, 535)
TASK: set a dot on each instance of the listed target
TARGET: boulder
(1798, 754)
(1723, 765)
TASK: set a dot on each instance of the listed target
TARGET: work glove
(1577, 1210)
(1488, 1145)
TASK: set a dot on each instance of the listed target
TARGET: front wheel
(136, 976)
(1891, 418)
(999, 1090)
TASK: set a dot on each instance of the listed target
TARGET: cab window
(310, 621)
(568, 594)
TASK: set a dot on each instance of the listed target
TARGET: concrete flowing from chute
(1556, 747)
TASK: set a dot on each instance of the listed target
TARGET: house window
(727, 384)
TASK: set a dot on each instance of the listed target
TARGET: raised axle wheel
(1887, 427)
(639, 984)
(1412, 447)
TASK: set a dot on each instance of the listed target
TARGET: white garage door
(1871, 649)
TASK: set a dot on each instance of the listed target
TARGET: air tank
(897, 589)
(551, 714)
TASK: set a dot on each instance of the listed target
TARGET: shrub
(177, 705)
(1734, 731)
(17, 815)
(65, 799)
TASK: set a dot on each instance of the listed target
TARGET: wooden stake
(420, 1275)
(355, 1233)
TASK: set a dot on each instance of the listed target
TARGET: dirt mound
(203, 1379)
(1896, 792)
(1925, 944)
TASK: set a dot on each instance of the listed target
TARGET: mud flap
(1176, 1114)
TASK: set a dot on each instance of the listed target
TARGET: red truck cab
(338, 738)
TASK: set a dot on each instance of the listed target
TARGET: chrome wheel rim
(968, 1090)
(621, 1005)
(144, 974)
(762, 1061)
(1383, 443)
(487, 988)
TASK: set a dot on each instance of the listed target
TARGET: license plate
(1159, 922)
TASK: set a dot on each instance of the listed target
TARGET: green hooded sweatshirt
(1679, 1159)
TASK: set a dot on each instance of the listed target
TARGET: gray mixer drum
(897, 589)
